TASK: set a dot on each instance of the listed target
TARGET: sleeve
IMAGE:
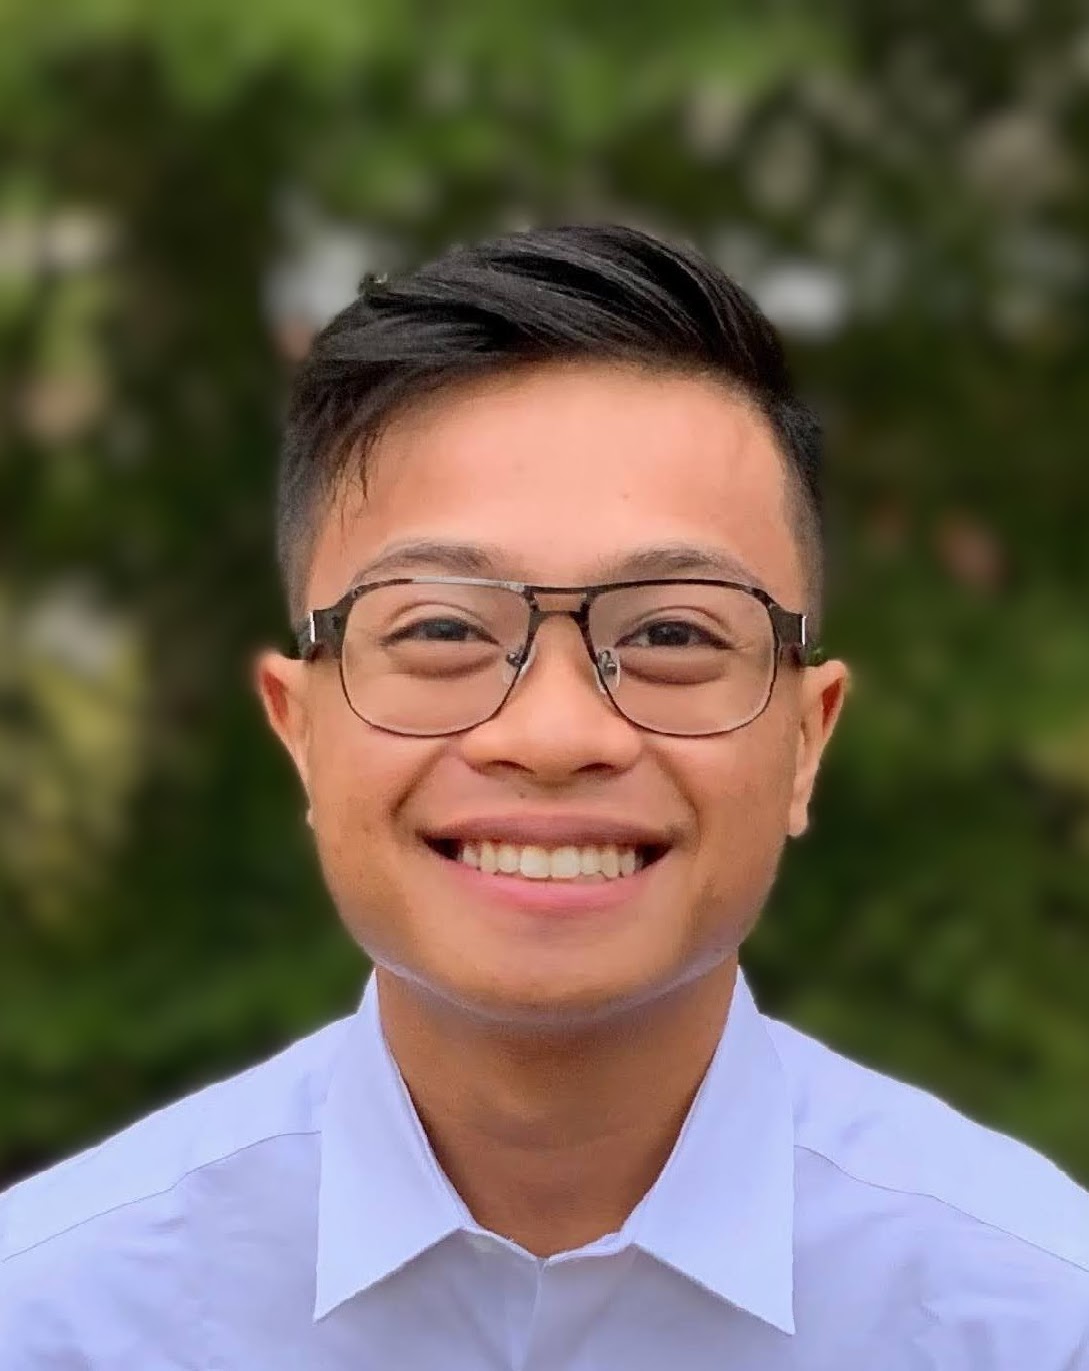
(1012, 1308)
(1080, 1357)
(37, 1331)
(107, 1294)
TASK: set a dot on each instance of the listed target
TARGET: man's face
(561, 469)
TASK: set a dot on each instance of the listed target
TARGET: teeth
(534, 863)
(590, 858)
(565, 863)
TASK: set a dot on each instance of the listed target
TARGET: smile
(587, 862)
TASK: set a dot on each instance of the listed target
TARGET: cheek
(740, 789)
(359, 777)
(747, 773)
(357, 796)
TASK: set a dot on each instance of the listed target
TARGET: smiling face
(560, 472)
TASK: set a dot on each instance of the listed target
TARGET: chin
(540, 1002)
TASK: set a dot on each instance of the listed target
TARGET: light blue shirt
(814, 1216)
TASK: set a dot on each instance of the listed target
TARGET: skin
(553, 1061)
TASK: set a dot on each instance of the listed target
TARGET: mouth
(557, 864)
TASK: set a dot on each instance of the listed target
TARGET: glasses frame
(324, 629)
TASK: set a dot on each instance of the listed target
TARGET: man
(550, 533)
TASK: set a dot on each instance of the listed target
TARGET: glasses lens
(692, 659)
(431, 658)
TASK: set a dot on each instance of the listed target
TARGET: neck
(553, 1139)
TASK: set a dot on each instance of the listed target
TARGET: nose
(558, 719)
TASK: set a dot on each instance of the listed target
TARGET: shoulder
(983, 1228)
(885, 1133)
(275, 1098)
(109, 1240)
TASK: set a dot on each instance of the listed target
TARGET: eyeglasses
(428, 656)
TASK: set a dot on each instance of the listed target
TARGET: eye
(673, 633)
(437, 630)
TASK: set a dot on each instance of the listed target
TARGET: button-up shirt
(814, 1215)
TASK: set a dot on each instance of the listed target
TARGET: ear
(823, 691)
(281, 684)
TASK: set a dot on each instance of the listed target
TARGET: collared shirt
(814, 1215)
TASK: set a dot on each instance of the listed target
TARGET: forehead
(561, 471)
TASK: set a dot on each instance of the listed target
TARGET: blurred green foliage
(907, 185)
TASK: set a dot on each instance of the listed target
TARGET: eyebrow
(487, 562)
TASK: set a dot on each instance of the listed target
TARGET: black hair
(592, 292)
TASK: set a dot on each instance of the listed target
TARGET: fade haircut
(596, 293)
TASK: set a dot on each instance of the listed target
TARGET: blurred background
(188, 191)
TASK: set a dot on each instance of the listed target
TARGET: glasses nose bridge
(535, 594)
(579, 613)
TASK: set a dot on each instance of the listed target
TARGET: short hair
(596, 293)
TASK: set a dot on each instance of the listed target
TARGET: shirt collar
(721, 1211)
(382, 1196)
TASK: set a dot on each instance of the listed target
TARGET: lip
(550, 830)
(551, 897)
